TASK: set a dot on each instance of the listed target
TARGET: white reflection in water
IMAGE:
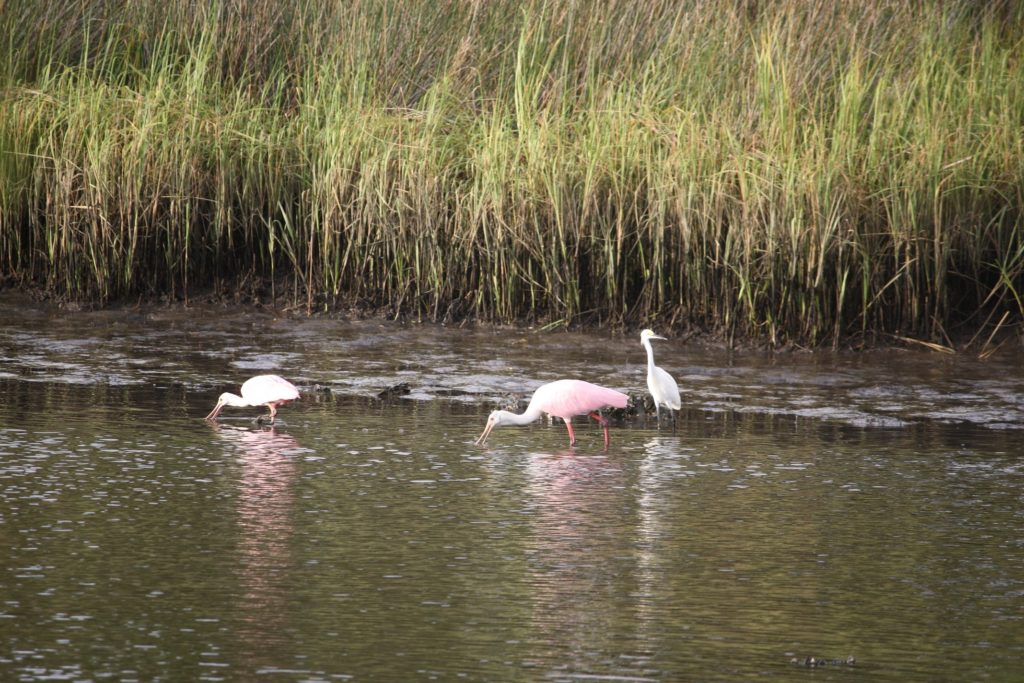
(579, 506)
(266, 500)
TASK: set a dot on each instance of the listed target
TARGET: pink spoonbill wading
(262, 390)
(563, 398)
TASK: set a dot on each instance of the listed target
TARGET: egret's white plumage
(562, 398)
(262, 390)
(663, 388)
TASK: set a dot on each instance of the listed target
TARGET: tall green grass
(789, 171)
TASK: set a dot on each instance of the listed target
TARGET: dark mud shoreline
(283, 300)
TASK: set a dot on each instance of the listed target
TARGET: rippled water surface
(827, 505)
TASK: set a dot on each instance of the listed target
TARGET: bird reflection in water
(580, 549)
(265, 506)
(659, 469)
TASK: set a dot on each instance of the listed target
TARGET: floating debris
(516, 404)
(637, 405)
(400, 389)
(815, 662)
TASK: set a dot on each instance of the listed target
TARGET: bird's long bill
(486, 433)
(216, 410)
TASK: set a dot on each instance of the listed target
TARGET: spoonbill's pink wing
(568, 397)
(267, 388)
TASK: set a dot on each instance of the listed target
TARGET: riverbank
(788, 174)
(263, 300)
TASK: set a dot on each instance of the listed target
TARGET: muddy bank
(200, 350)
(282, 299)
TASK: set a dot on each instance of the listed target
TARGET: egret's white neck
(650, 353)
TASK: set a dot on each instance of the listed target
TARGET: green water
(810, 505)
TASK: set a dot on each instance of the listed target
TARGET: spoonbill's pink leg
(572, 435)
(604, 425)
(273, 412)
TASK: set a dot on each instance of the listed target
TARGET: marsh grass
(790, 171)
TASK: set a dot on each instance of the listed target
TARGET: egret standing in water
(663, 388)
(563, 398)
(262, 390)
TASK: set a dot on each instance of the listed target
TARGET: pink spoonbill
(563, 398)
(262, 390)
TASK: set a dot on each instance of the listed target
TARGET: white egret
(663, 388)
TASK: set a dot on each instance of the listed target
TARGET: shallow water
(820, 505)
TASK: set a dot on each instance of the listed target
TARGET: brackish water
(821, 505)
